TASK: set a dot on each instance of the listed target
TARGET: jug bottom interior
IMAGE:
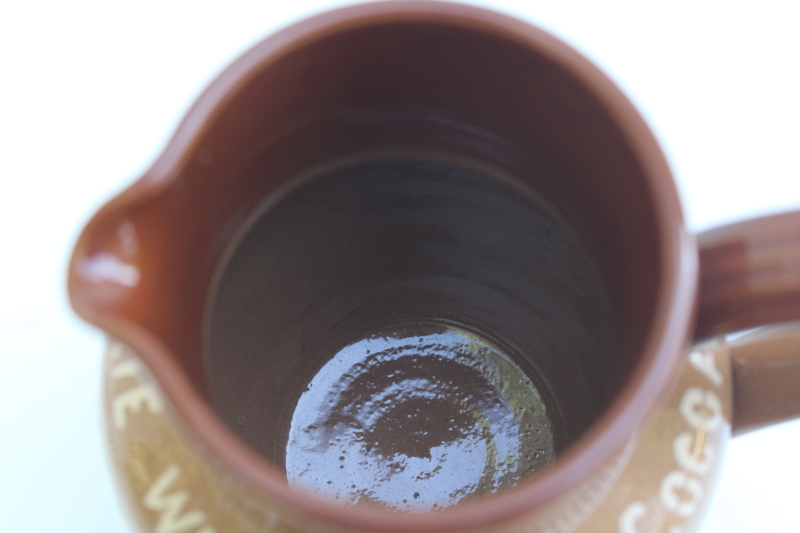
(415, 418)
(408, 330)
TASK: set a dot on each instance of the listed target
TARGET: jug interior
(410, 330)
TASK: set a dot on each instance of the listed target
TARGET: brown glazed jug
(418, 266)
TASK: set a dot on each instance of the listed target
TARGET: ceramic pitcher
(454, 173)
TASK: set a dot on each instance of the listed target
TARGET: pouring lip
(668, 334)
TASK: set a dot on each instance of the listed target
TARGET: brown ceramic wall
(399, 83)
(405, 239)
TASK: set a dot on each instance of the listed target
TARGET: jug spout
(104, 267)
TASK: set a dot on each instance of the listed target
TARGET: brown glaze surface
(749, 274)
(766, 377)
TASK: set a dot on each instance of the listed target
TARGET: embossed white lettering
(144, 395)
(170, 506)
(695, 457)
(676, 484)
(681, 492)
(129, 368)
(702, 409)
(704, 363)
(632, 513)
(116, 350)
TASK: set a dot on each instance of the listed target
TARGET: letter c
(680, 480)
(629, 517)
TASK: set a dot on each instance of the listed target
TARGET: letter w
(172, 519)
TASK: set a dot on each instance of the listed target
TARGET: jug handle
(749, 277)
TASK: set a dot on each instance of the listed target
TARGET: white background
(90, 92)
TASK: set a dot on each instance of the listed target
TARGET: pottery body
(660, 480)
(231, 272)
